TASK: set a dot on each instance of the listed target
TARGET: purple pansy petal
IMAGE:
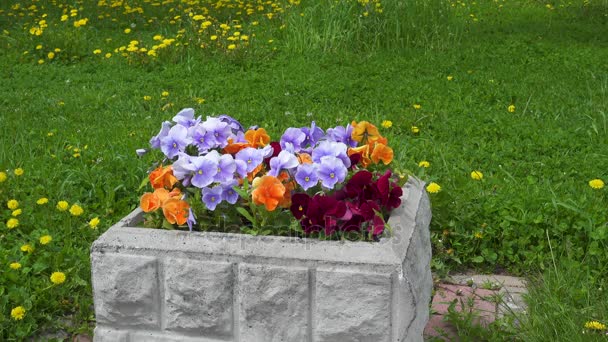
(204, 170)
(228, 193)
(251, 156)
(175, 142)
(313, 135)
(155, 141)
(185, 117)
(331, 171)
(202, 139)
(225, 169)
(212, 197)
(191, 219)
(292, 139)
(284, 160)
(306, 176)
(232, 122)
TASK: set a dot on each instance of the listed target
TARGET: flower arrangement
(216, 175)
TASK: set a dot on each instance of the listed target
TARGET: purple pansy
(331, 170)
(202, 139)
(225, 169)
(155, 141)
(185, 117)
(212, 197)
(220, 130)
(191, 219)
(313, 135)
(306, 176)
(232, 122)
(331, 148)
(292, 139)
(228, 193)
(284, 160)
(204, 170)
(176, 141)
(342, 134)
(251, 156)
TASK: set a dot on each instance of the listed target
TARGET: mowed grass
(73, 125)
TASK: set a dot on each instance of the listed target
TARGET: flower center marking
(248, 161)
(213, 199)
(332, 175)
(200, 172)
(174, 145)
(308, 180)
(300, 208)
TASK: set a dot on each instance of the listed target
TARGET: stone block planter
(159, 285)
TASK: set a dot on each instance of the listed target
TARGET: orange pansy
(268, 191)
(162, 177)
(176, 211)
(233, 148)
(257, 138)
(364, 132)
(149, 202)
(304, 158)
(363, 151)
(382, 152)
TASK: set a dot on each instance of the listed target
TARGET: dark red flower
(299, 204)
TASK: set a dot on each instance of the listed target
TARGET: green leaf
(478, 259)
(246, 214)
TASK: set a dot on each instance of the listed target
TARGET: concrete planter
(159, 285)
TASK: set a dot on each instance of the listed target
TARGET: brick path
(489, 296)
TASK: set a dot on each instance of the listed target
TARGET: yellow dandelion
(417, 106)
(27, 248)
(58, 278)
(51, 55)
(478, 235)
(18, 171)
(127, 30)
(108, 55)
(477, 175)
(94, 223)
(450, 77)
(96, 51)
(147, 98)
(45, 239)
(387, 124)
(62, 205)
(3, 177)
(511, 108)
(42, 201)
(12, 223)
(213, 37)
(16, 213)
(596, 183)
(595, 325)
(76, 210)
(424, 164)
(12, 204)
(415, 129)
(14, 265)
(231, 47)
(433, 188)
(164, 93)
(18, 313)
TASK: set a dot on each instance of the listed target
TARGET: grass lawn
(517, 90)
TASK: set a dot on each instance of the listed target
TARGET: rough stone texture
(159, 285)
(198, 297)
(126, 289)
(352, 307)
(109, 335)
(274, 303)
